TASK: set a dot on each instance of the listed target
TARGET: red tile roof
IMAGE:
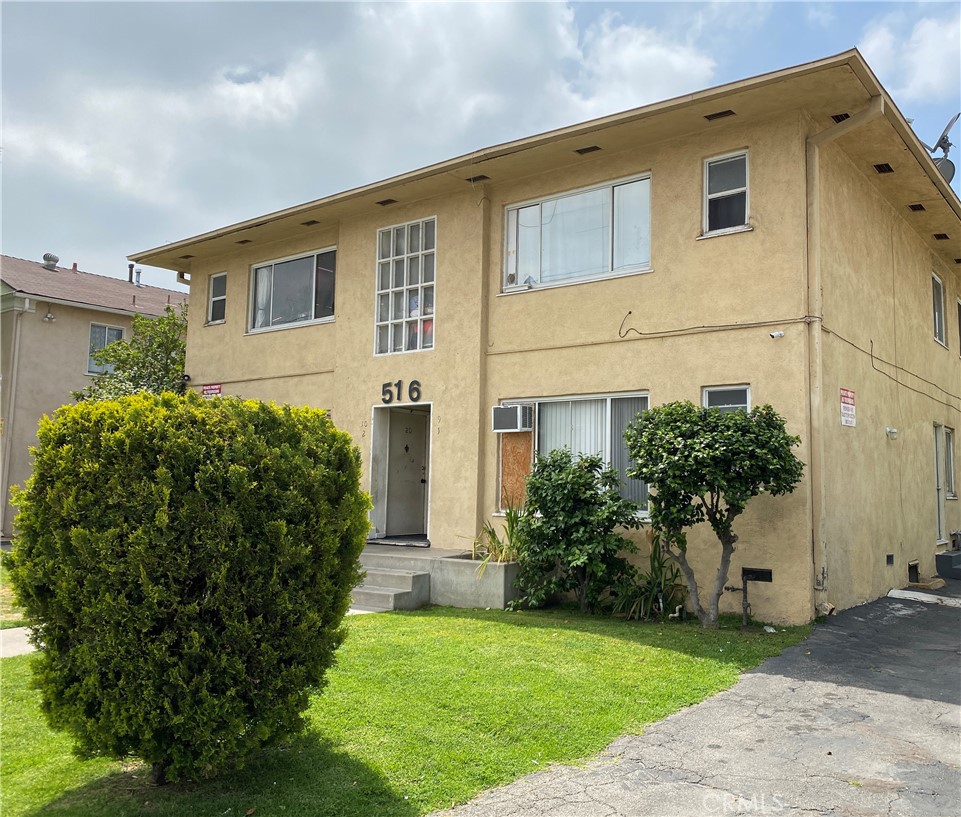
(84, 288)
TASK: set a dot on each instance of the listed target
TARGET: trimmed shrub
(187, 564)
(567, 538)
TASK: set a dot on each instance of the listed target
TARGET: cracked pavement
(863, 718)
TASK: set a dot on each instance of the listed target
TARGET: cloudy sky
(130, 125)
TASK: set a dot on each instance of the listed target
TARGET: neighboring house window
(101, 336)
(580, 235)
(725, 192)
(727, 398)
(404, 317)
(217, 308)
(949, 485)
(294, 290)
(593, 426)
(937, 295)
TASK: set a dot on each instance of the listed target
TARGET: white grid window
(937, 298)
(727, 398)
(593, 425)
(217, 305)
(580, 235)
(404, 311)
(725, 193)
(294, 290)
(949, 485)
(101, 336)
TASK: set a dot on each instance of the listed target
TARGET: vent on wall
(385, 202)
(719, 115)
(884, 167)
(589, 149)
(840, 117)
(519, 417)
(916, 208)
(475, 179)
(941, 236)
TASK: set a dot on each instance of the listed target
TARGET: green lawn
(10, 614)
(423, 710)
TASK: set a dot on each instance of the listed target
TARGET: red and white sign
(849, 411)
(209, 390)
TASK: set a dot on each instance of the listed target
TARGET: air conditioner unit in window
(518, 417)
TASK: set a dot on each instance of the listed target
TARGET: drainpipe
(814, 309)
(8, 420)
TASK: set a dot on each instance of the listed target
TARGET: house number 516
(395, 391)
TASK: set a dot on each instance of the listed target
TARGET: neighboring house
(785, 239)
(51, 320)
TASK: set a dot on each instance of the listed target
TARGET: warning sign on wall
(849, 412)
(210, 390)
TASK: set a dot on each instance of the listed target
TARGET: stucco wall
(879, 493)
(52, 363)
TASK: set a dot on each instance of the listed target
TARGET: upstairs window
(404, 312)
(727, 398)
(217, 305)
(725, 193)
(101, 336)
(294, 290)
(579, 236)
(937, 296)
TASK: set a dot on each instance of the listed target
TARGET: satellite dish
(943, 163)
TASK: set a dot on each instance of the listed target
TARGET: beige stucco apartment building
(785, 240)
(51, 319)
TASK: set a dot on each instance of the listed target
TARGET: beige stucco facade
(825, 260)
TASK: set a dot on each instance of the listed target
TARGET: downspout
(814, 309)
(8, 420)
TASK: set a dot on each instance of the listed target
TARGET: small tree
(152, 360)
(567, 538)
(186, 564)
(704, 465)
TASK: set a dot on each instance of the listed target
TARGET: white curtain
(262, 295)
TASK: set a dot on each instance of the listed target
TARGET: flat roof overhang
(840, 84)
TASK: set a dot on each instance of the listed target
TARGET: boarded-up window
(517, 451)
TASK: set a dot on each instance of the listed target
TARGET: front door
(407, 464)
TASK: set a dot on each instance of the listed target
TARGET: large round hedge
(187, 564)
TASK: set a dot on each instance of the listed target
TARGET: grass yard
(10, 614)
(423, 710)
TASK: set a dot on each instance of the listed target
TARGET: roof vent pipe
(50, 261)
(136, 274)
(129, 273)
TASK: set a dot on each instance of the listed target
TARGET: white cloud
(820, 15)
(920, 66)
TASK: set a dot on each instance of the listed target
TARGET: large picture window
(580, 235)
(404, 312)
(101, 336)
(725, 193)
(294, 290)
(593, 425)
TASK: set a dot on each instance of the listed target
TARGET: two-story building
(784, 239)
(52, 320)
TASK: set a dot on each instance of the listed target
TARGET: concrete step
(397, 579)
(372, 597)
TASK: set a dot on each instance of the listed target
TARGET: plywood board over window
(517, 453)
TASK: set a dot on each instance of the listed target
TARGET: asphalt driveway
(863, 718)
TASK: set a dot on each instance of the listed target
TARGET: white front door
(407, 463)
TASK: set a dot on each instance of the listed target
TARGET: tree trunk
(158, 774)
(727, 550)
(680, 559)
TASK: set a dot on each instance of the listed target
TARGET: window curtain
(262, 296)
(623, 410)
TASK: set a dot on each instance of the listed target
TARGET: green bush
(187, 564)
(567, 538)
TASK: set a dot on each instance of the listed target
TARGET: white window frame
(510, 260)
(950, 489)
(607, 397)
(959, 327)
(252, 312)
(938, 316)
(709, 389)
(738, 228)
(418, 321)
(107, 367)
(211, 298)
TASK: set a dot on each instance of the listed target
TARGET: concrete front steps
(391, 587)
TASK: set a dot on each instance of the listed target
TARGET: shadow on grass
(307, 777)
(685, 636)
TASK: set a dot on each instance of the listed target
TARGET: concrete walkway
(14, 642)
(864, 718)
